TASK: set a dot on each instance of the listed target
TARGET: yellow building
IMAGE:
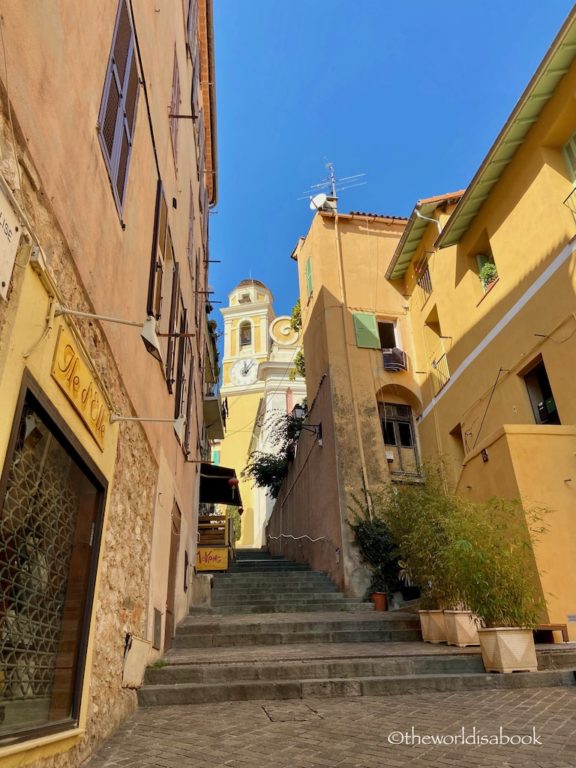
(480, 288)
(104, 202)
(258, 358)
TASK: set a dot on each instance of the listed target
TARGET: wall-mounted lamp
(299, 413)
(150, 336)
(179, 423)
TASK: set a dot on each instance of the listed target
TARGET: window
(117, 118)
(189, 399)
(569, 151)
(190, 244)
(399, 438)
(170, 329)
(245, 334)
(50, 527)
(540, 394)
(175, 109)
(195, 93)
(487, 271)
(387, 335)
(424, 280)
(366, 329)
(192, 28)
(245, 299)
(182, 366)
(161, 251)
(308, 277)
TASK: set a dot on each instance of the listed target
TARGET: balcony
(440, 372)
(214, 415)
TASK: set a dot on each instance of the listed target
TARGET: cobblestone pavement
(352, 733)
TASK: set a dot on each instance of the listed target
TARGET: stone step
(198, 693)
(280, 638)
(263, 608)
(233, 590)
(308, 669)
(283, 597)
(296, 622)
(261, 566)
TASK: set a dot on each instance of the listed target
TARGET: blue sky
(410, 92)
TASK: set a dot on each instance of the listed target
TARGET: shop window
(50, 524)
(245, 334)
(117, 118)
(541, 396)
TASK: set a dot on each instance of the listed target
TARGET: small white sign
(9, 239)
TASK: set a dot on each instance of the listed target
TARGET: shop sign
(212, 559)
(74, 377)
(9, 239)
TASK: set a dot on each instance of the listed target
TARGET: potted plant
(498, 576)
(378, 550)
(488, 274)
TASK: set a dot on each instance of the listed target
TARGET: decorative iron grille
(40, 609)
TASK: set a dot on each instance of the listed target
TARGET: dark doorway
(172, 568)
(540, 394)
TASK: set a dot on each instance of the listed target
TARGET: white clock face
(244, 372)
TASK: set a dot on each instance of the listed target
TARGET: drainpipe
(349, 363)
(428, 218)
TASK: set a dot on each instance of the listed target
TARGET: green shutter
(570, 156)
(366, 327)
(308, 273)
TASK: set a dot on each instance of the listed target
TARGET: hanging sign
(74, 377)
(9, 239)
(212, 559)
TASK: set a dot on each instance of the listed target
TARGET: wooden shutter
(159, 241)
(308, 276)
(192, 28)
(205, 218)
(570, 156)
(366, 328)
(181, 372)
(175, 107)
(189, 396)
(191, 220)
(195, 94)
(116, 122)
(174, 307)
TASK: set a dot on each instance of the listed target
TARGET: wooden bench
(555, 628)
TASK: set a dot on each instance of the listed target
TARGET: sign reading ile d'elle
(74, 377)
(9, 239)
(212, 559)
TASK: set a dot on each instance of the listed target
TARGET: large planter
(380, 601)
(461, 629)
(508, 649)
(432, 626)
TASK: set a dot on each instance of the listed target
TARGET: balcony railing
(425, 283)
(440, 372)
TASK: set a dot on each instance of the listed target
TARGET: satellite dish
(318, 201)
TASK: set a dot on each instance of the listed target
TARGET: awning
(215, 488)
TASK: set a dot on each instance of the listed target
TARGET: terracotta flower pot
(380, 601)
(508, 649)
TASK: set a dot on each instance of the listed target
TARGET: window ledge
(488, 290)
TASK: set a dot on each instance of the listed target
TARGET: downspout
(349, 363)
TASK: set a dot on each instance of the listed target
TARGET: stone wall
(121, 602)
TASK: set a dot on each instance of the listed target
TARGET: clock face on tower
(244, 372)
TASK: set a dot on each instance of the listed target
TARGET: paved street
(352, 733)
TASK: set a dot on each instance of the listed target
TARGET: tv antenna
(319, 194)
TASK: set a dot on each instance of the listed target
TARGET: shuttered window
(308, 277)
(192, 28)
(195, 94)
(117, 118)
(174, 312)
(175, 108)
(191, 220)
(189, 397)
(570, 156)
(161, 243)
(182, 366)
(366, 328)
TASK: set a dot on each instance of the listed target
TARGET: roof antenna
(327, 200)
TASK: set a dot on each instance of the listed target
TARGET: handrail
(297, 538)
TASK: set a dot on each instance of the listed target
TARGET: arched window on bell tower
(245, 334)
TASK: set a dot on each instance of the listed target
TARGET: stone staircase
(277, 630)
